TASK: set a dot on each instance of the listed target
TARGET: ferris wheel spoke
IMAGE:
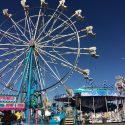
(67, 53)
(12, 40)
(42, 69)
(14, 59)
(5, 73)
(19, 29)
(56, 68)
(37, 23)
(16, 32)
(31, 26)
(3, 90)
(59, 36)
(10, 36)
(14, 45)
(31, 22)
(46, 24)
(6, 60)
(74, 38)
(51, 74)
(54, 22)
(60, 26)
(2, 82)
(69, 40)
(14, 72)
(60, 56)
(18, 35)
(77, 69)
(28, 24)
(65, 28)
(55, 57)
(12, 85)
(49, 67)
(9, 40)
(67, 64)
(11, 52)
(51, 62)
(6, 49)
(70, 49)
(24, 28)
(42, 23)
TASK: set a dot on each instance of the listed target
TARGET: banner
(7, 98)
(12, 106)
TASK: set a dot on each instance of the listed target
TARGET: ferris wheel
(40, 48)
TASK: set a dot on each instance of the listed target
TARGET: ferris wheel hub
(32, 43)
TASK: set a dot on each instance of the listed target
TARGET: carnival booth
(10, 109)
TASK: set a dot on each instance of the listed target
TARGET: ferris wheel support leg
(29, 87)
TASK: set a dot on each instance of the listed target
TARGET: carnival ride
(97, 104)
(120, 84)
(39, 50)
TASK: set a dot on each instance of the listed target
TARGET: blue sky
(108, 19)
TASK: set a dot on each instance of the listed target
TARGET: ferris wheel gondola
(120, 84)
